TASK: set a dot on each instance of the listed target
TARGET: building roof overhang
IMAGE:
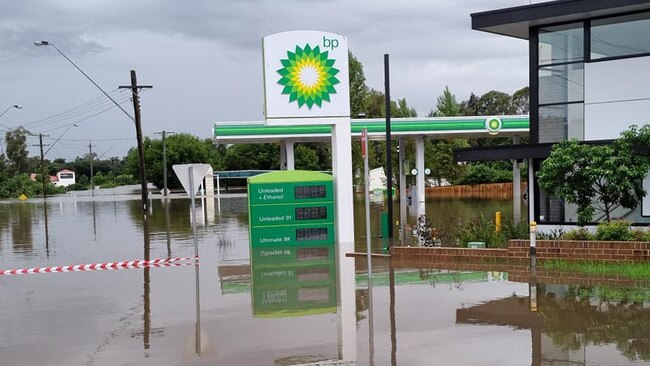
(516, 21)
(514, 152)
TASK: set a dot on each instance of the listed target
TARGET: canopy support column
(419, 179)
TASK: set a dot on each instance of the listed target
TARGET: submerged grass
(637, 271)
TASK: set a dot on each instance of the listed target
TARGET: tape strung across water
(167, 262)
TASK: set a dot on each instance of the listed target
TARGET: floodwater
(281, 315)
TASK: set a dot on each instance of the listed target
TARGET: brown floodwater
(148, 316)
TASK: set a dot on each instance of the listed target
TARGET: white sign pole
(190, 172)
(366, 178)
(343, 193)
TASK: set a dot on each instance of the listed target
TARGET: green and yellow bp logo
(493, 125)
(308, 76)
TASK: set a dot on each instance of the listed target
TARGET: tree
(439, 153)
(468, 107)
(252, 156)
(15, 142)
(439, 157)
(521, 101)
(358, 88)
(447, 106)
(494, 103)
(306, 158)
(376, 104)
(182, 148)
(598, 178)
(401, 109)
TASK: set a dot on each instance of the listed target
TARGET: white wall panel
(617, 80)
(607, 120)
(617, 95)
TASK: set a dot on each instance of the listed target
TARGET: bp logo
(308, 76)
(493, 125)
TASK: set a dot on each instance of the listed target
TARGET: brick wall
(517, 252)
(611, 251)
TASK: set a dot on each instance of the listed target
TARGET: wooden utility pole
(40, 143)
(92, 176)
(164, 133)
(138, 130)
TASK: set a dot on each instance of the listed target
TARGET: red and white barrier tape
(99, 266)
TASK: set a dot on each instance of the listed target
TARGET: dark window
(561, 122)
(620, 36)
(561, 83)
(559, 44)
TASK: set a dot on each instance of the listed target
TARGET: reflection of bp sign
(305, 75)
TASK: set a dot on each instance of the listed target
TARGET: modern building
(589, 80)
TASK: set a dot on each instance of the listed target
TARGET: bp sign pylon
(306, 82)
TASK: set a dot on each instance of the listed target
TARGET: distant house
(64, 178)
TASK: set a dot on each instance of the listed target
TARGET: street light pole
(8, 108)
(46, 43)
(59, 138)
(7, 127)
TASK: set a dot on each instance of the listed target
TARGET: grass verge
(637, 271)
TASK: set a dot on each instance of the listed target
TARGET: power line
(89, 105)
(85, 118)
(94, 139)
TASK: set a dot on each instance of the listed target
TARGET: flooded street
(148, 316)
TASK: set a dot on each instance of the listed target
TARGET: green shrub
(554, 234)
(125, 179)
(480, 173)
(578, 234)
(641, 235)
(511, 231)
(15, 185)
(614, 231)
(449, 232)
(482, 229)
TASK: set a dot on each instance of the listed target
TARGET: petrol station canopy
(433, 127)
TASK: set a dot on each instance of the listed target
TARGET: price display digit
(311, 234)
(311, 213)
(304, 192)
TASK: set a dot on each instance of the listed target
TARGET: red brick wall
(614, 251)
(517, 251)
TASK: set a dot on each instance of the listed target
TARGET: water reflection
(570, 323)
(146, 326)
(282, 313)
(47, 232)
(576, 317)
(21, 229)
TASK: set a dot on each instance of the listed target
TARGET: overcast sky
(204, 60)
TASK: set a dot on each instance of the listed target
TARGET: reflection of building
(588, 75)
(571, 325)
